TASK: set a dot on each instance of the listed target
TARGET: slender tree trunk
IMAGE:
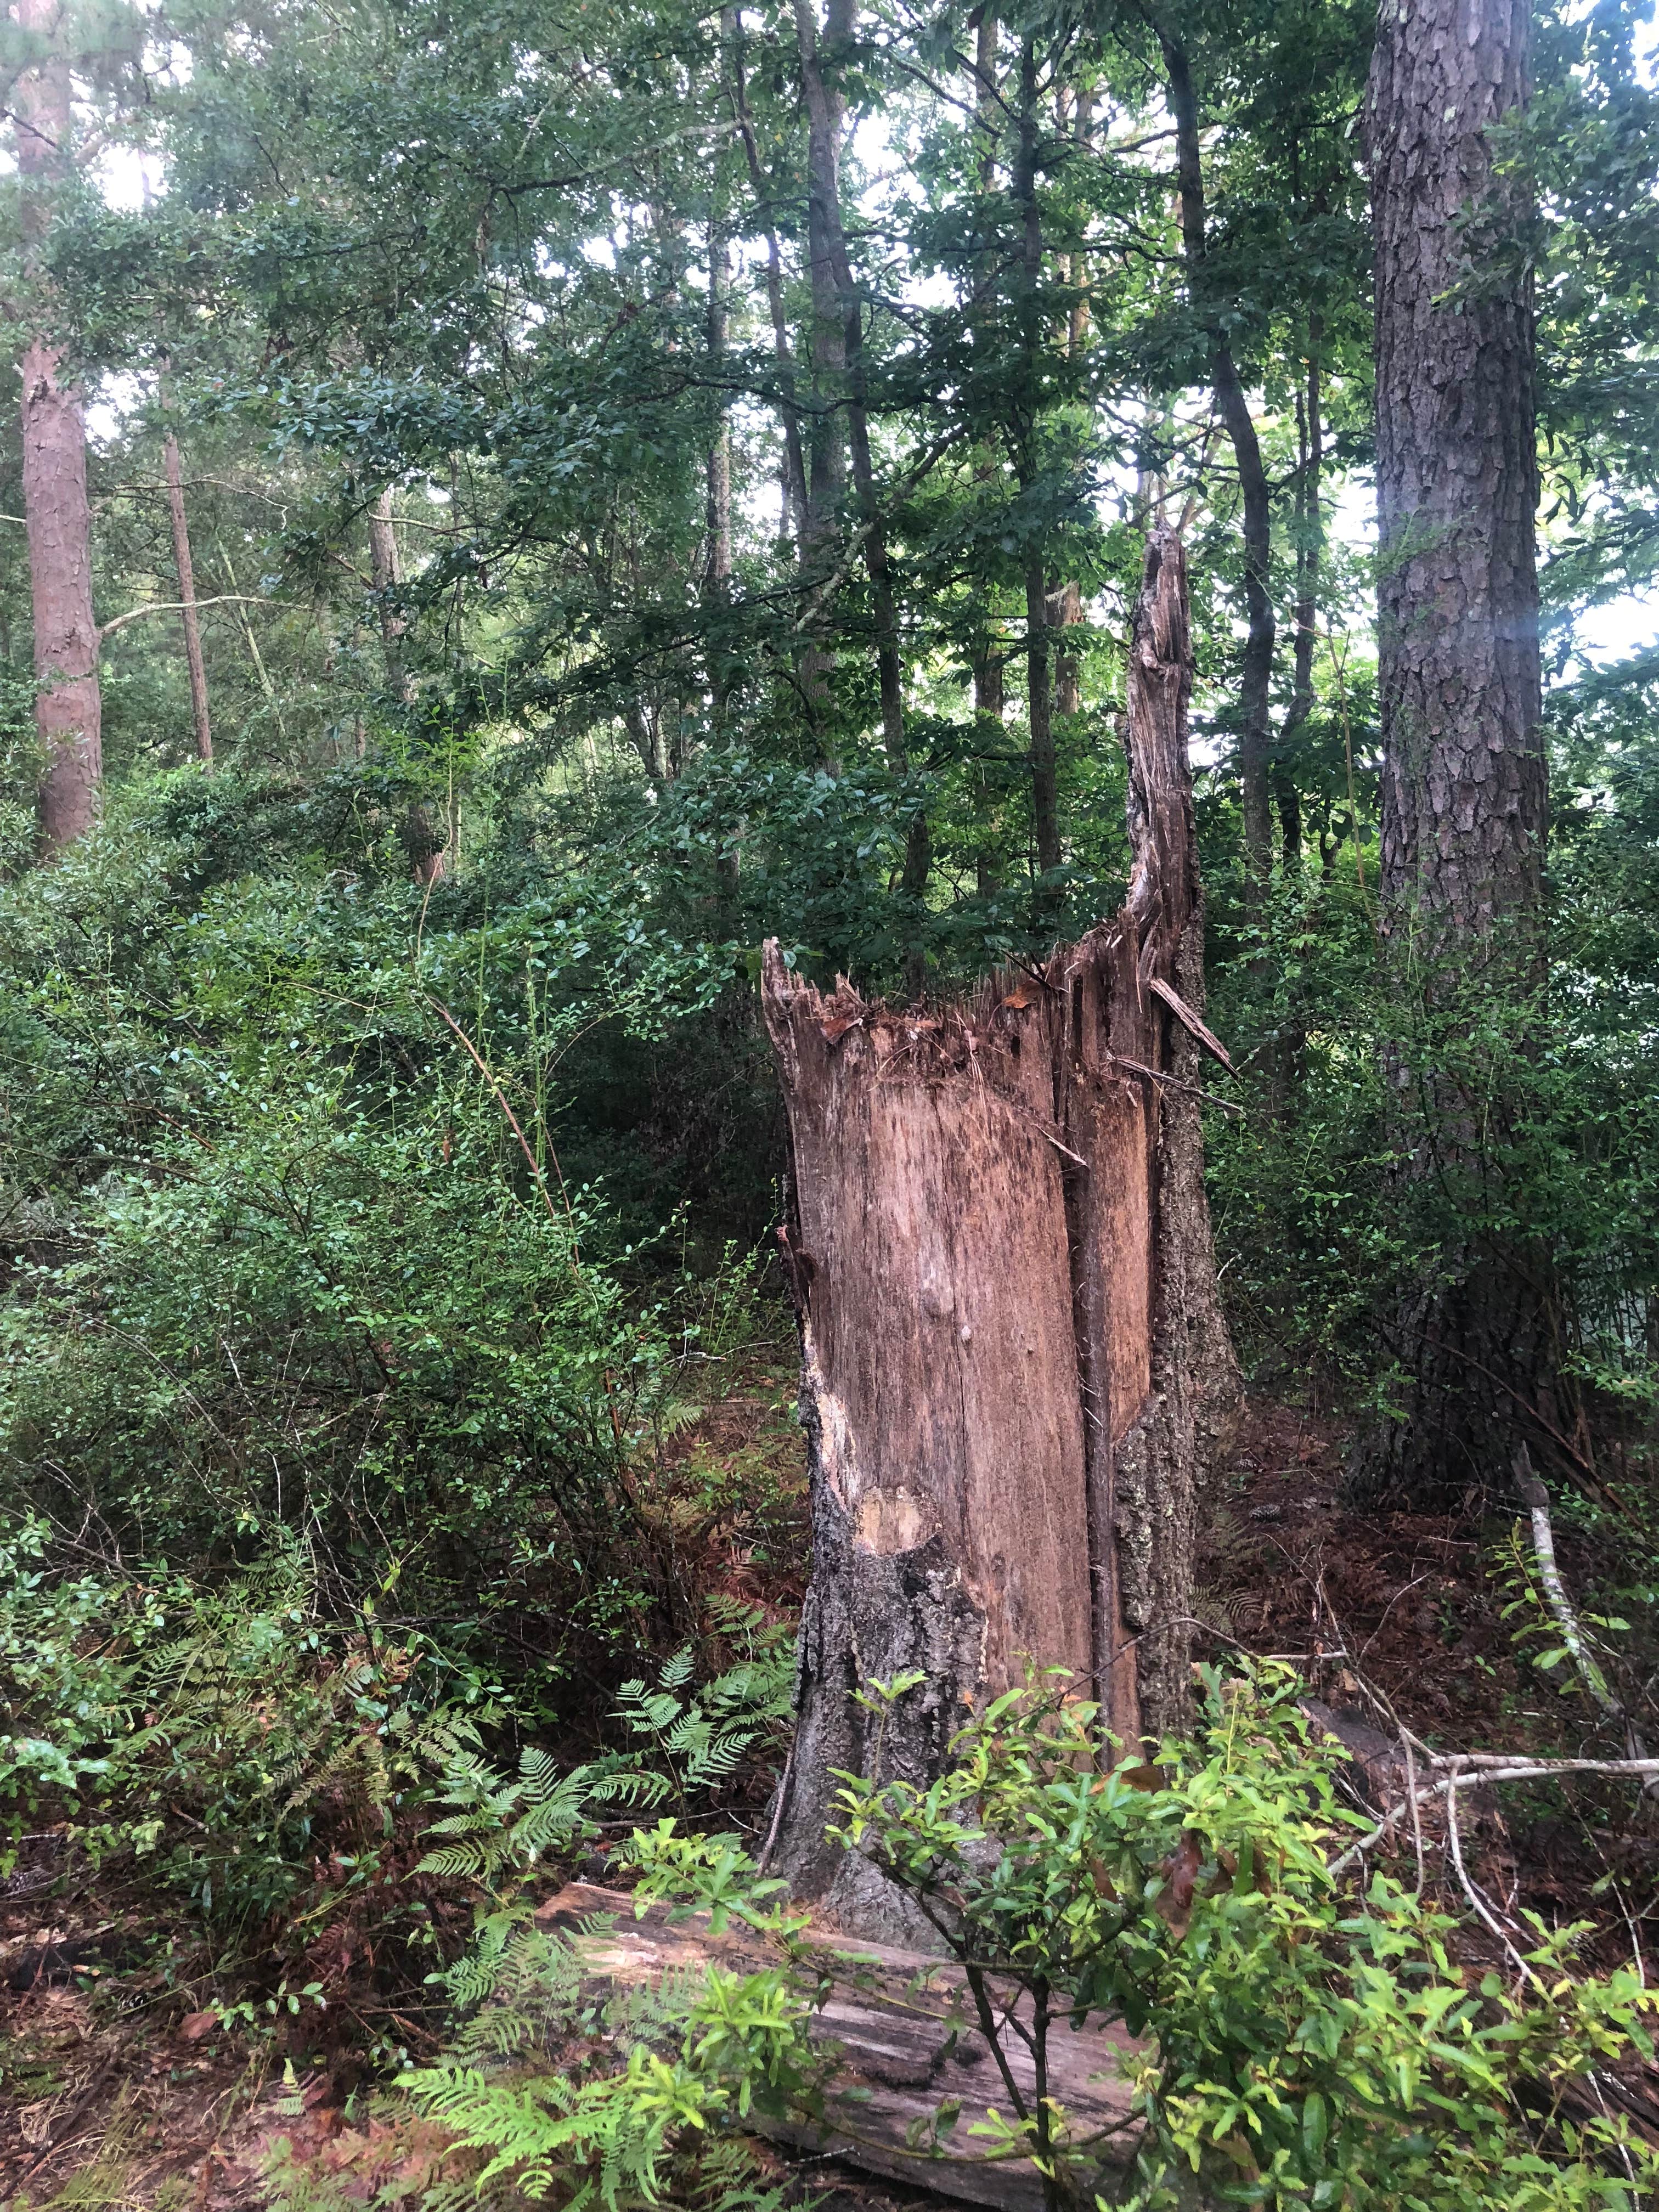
(1045, 776)
(720, 448)
(1066, 600)
(794, 472)
(824, 116)
(1309, 555)
(1045, 800)
(1463, 796)
(422, 842)
(988, 661)
(58, 516)
(717, 577)
(826, 452)
(718, 582)
(185, 569)
(1255, 724)
(1014, 1373)
(386, 571)
(273, 699)
(989, 704)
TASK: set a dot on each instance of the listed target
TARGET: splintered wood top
(888, 2017)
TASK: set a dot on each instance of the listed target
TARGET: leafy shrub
(229, 1738)
(1306, 2045)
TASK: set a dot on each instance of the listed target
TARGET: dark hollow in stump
(1015, 1371)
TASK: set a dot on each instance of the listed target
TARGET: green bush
(1305, 2044)
(230, 1739)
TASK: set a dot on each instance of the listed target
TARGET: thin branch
(534, 1165)
(1474, 1766)
(1455, 1843)
(177, 606)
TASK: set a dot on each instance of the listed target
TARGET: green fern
(545, 2123)
(609, 2136)
(700, 1736)
(500, 1827)
(695, 1739)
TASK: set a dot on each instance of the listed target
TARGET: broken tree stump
(1015, 1370)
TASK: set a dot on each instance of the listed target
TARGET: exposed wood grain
(1014, 1367)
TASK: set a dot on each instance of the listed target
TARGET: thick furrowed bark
(1014, 1368)
(1463, 791)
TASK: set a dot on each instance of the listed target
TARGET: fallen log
(891, 2019)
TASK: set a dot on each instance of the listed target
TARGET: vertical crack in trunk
(1014, 1370)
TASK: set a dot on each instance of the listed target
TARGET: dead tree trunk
(1014, 1368)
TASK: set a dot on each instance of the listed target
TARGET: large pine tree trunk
(69, 707)
(1463, 799)
(1014, 1366)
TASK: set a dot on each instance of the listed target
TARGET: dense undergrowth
(367, 1565)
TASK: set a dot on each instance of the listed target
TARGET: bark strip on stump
(1014, 1367)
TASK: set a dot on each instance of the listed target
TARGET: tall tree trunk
(1045, 771)
(988, 658)
(717, 575)
(1310, 540)
(1014, 1367)
(1256, 688)
(386, 571)
(1065, 599)
(793, 471)
(989, 704)
(826, 117)
(719, 446)
(826, 452)
(1463, 797)
(58, 516)
(184, 568)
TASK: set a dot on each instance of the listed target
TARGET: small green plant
(694, 1737)
(222, 1733)
(613, 2103)
(503, 1828)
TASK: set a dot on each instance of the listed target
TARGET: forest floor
(112, 2094)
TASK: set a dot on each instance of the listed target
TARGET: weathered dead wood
(1014, 1369)
(897, 2019)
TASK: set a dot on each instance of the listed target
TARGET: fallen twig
(1536, 1499)
(1472, 1766)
